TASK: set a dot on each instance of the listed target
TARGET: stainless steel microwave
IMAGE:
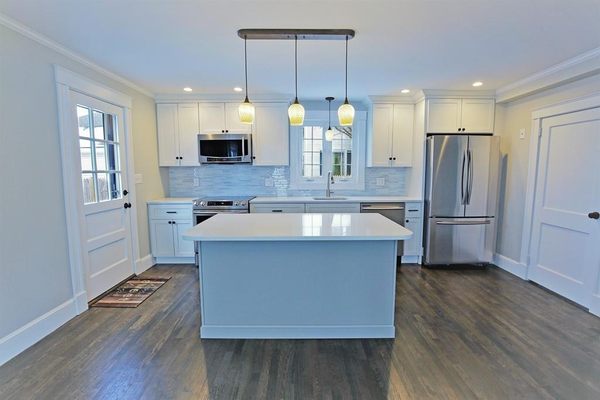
(225, 148)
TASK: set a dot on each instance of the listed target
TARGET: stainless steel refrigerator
(461, 192)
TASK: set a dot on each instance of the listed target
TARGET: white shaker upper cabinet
(460, 115)
(270, 137)
(221, 118)
(177, 126)
(478, 115)
(232, 119)
(391, 136)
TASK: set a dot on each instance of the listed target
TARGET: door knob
(594, 215)
(127, 205)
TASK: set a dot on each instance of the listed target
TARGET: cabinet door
(443, 115)
(414, 245)
(270, 138)
(333, 208)
(402, 135)
(212, 117)
(183, 248)
(161, 238)
(188, 134)
(276, 208)
(232, 120)
(380, 148)
(167, 126)
(478, 115)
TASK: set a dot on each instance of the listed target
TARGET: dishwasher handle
(371, 207)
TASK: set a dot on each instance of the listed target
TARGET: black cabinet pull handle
(253, 157)
(171, 212)
(276, 210)
(390, 158)
(394, 158)
(594, 215)
(459, 129)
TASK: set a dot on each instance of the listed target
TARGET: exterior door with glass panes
(103, 192)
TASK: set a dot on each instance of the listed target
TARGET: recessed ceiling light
(405, 91)
(187, 89)
(477, 84)
(238, 89)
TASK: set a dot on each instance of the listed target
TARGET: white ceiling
(445, 44)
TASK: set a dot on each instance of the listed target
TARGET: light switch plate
(522, 133)
(380, 182)
(196, 182)
(139, 178)
(269, 182)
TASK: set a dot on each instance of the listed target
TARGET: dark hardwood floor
(460, 335)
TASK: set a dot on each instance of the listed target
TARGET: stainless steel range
(207, 207)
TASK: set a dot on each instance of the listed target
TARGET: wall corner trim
(578, 67)
(508, 264)
(144, 263)
(51, 44)
(32, 332)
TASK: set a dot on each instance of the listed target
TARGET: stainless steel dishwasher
(393, 211)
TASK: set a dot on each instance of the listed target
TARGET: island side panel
(298, 289)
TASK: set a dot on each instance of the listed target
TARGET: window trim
(320, 118)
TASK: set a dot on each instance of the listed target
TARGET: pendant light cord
(246, 63)
(329, 114)
(346, 99)
(296, 64)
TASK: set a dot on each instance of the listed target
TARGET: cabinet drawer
(171, 212)
(276, 208)
(333, 208)
(414, 210)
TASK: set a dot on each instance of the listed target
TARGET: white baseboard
(508, 264)
(297, 332)
(411, 259)
(175, 260)
(32, 332)
(143, 264)
(595, 305)
(81, 302)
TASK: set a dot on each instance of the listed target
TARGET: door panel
(478, 115)
(183, 248)
(271, 135)
(212, 117)
(168, 147)
(565, 255)
(232, 120)
(381, 140)
(458, 240)
(443, 115)
(161, 235)
(483, 157)
(446, 175)
(189, 127)
(103, 165)
(402, 137)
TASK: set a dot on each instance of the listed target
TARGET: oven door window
(201, 218)
(223, 148)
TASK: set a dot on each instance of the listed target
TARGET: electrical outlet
(196, 182)
(269, 182)
(380, 182)
(522, 133)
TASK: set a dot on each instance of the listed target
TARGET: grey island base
(297, 275)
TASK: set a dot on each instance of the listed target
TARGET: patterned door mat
(131, 293)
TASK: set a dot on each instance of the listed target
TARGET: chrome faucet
(330, 182)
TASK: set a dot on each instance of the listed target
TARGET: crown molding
(51, 44)
(578, 67)
(402, 99)
(473, 94)
(227, 98)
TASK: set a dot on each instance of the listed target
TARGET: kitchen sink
(329, 198)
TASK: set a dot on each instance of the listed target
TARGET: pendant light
(329, 132)
(346, 111)
(296, 111)
(246, 109)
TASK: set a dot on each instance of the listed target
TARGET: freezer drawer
(459, 240)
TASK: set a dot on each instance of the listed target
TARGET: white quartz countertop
(286, 227)
(345, 199)
(172, 200)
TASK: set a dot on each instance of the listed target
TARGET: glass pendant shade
(296, 113)
(346, 114)
(329, 134)
(246, 112)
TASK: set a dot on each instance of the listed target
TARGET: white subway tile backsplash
(233, 180)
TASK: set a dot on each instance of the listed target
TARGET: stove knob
(243, 204)
(236, 203)
(202, 203)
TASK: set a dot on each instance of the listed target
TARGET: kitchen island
(297, 275)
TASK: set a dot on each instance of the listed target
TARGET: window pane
(101, 164)
(115, 186)
(110, 127)
(85, 149)
(83, 121)
(89, 188)
(312, 156)
(308, 132)
(98, 118)
(103, 192)
(341, 147)
(113, 156)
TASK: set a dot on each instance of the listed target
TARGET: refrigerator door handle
(462, 181)
(486, 222)
(469, 175)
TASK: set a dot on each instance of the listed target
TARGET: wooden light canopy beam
(301, 34)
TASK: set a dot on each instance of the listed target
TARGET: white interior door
(565, 246)
(106, 224)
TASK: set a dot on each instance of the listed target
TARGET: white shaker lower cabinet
(167, 224)
(333, 208)
(413, 220)
(277, 208)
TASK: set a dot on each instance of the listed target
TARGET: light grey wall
(510, 118)
(238, 179)
(34, 264)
